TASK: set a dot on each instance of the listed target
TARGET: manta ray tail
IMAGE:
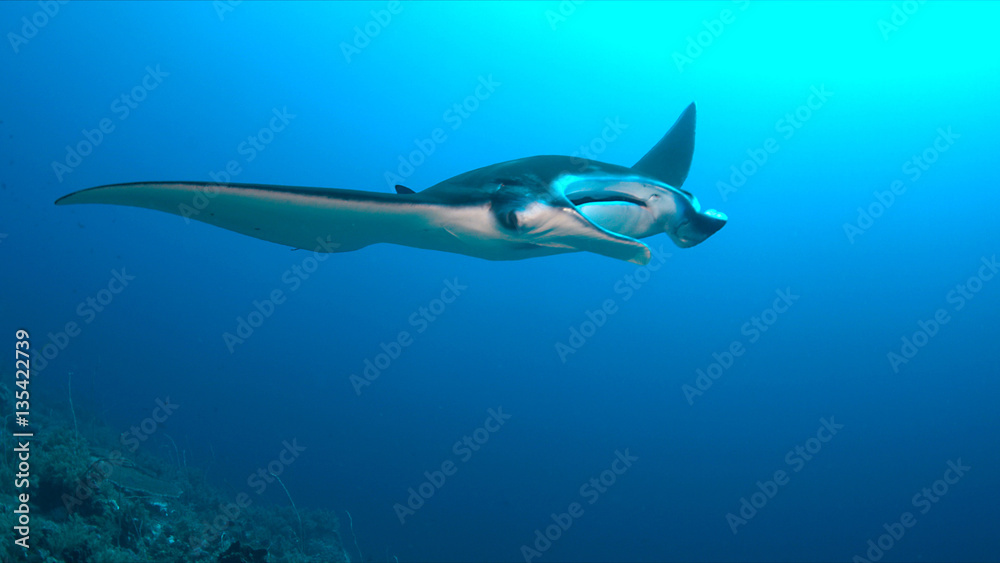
(670, 159)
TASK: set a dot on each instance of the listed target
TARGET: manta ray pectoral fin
(325, 220)
(670, 159)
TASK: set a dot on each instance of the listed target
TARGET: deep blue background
(494, 346)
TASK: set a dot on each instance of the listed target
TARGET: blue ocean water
(816, 382)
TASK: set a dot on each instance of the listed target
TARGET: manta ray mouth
(583, 198)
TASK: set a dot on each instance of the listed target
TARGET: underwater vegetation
(93, 501)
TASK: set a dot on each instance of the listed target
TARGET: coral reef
(92, 503)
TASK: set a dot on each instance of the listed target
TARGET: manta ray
(534, 206)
